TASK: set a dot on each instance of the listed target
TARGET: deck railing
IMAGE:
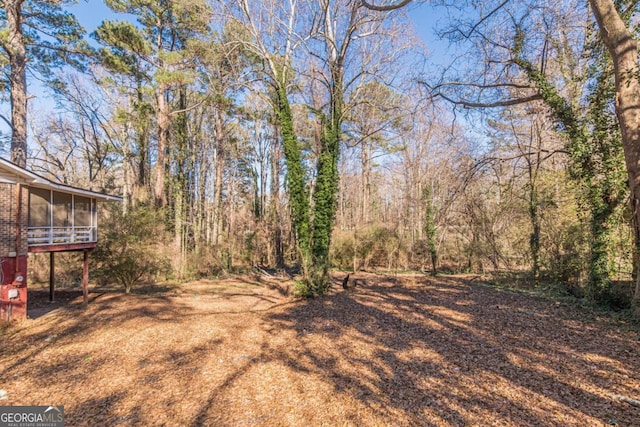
(43, 236)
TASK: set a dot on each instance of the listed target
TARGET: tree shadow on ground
(38, 303)
(72, 320)
(451, 353)
(138, 354)
(393, 351)
(60, 351)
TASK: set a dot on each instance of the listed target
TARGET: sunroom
(61, 219)
(40, 215)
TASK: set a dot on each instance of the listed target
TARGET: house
(39, 215)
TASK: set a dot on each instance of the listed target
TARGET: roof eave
(34, 180)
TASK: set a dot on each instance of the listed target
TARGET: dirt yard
(399, 351)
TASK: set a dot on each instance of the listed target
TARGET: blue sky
(91, 13)
(426, 18)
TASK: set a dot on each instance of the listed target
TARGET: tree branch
(484, 18)
(632, 402)
(505, 103)
(402, 3)
(477, 85)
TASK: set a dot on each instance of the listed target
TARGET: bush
(566, 259)
(342, 250)
(128, 247)
(372, 247)
(619, 296)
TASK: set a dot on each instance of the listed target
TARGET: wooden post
(52, 275)
(85, 277)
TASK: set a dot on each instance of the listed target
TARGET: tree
(332, 35)
(42, 34)
(430, 229)
(545, 51)
(594, 147)
(155, 54)
(80, 140)
(274, 42)
(15, 48)
(353, 47)
(373, 119)
(126, 253)
(623, 48)
(524, 139)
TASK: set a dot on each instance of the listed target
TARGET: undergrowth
(559, 293)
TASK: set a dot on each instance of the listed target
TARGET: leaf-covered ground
(402, 351)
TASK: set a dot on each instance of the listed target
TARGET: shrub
(376, 246)
(128, 247)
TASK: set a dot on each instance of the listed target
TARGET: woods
(318, 135)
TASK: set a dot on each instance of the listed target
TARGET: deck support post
(52, 276)
(85, 277)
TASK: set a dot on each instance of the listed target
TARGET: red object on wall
(13, 291)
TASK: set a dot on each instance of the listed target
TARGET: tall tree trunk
(275, 203)
(219, 160)
(533, 166)
(624, 52)
(534, 218)
(430, 229)
(366, 181)
(534, 238)
(163, 137)
(180, 183)
(230, 239)
(18, 79)
(141, 191)
(201, 197)
(128, 180)
(327, 178)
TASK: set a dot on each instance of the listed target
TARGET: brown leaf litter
(401, 351)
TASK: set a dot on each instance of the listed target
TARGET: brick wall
(8, 220)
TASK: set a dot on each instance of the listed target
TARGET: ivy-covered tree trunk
(596, 163)
(274, 209)
(599, 276)
(296, 182)
(312, 225)
(623, 48)
(325, 197)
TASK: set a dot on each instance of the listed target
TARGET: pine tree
(41, 36)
